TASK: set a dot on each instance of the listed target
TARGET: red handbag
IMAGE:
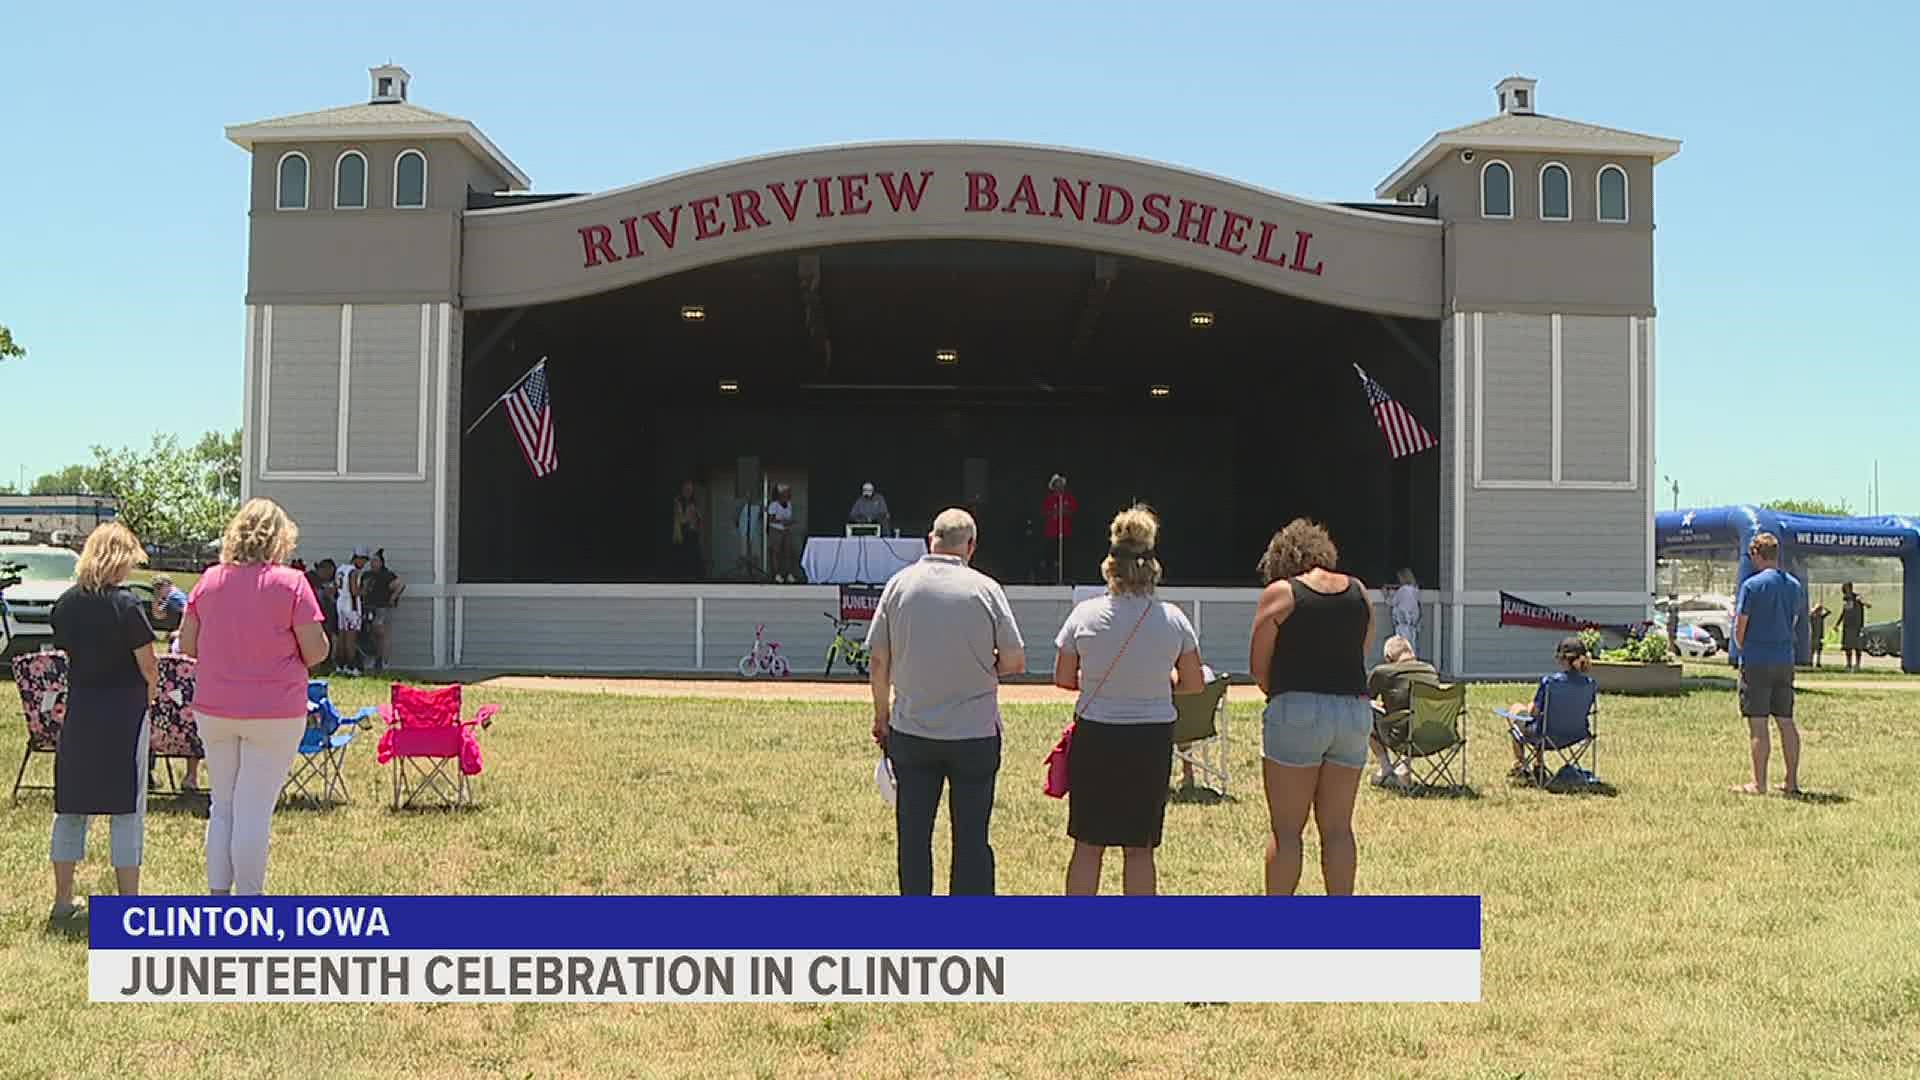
(1058, 780)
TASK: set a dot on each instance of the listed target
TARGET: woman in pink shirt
(255, 626)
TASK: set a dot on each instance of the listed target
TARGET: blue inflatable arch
(1727, 530)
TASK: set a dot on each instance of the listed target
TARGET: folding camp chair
(1429, 736)
(319, 772)
(1200, 732)
(1567, 728)
(42, 680)
(425, 738)
(173, 734)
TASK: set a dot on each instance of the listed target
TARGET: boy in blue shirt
(1768, 611)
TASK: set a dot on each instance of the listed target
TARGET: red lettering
(1154, 207)
(788, 206)
(1024, 190)
(706, 218)
(825, 197)
(1266, 245)
(746, 204)
(598, 240)
(1063, 191)
(1233, 231)
(1107, 192)
(1300, 255)
(1187, 207)
(906, 190)
(853, 194)
(667, 233)
(632, 226)
(983, 192)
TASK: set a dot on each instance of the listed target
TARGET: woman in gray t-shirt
(1127, 654)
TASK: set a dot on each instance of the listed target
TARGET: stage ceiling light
(729, 386)
(693, 313)
(1201, 320)
(946, 356)
(1159, 391)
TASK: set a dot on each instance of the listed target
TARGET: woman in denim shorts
(1309, 654)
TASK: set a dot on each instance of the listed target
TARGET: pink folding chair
(172, 733)
(432, 749)
(42, 680)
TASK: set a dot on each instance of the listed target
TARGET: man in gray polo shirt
(942, 637)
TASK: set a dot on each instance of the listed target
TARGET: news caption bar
(768, 948)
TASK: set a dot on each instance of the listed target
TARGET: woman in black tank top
(1308, 652)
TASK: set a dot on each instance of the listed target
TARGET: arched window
(410, 180)
(1556, 193)
(1496, 190)
(350, 181)
(1613, 193)
(291, 192)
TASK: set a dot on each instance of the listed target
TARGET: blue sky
(1784, 252)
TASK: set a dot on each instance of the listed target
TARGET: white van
(45, 572)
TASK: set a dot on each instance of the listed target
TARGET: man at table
(870, 509)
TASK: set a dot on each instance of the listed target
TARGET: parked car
(1881, 639)
(1711, 612)
(1695, 643)
(45, 573)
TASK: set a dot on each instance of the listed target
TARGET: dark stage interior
(833, 352)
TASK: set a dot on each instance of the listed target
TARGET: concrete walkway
(772, 689)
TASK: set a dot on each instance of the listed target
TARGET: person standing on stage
(1405, 608)
(688, 554)
(1056, 513)
(870, 509)
(942, 638)
(780, 535)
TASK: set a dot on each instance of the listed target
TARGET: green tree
(74, 479)
(219, 459)
(1811, 506)
(10, 349)
(168, 494)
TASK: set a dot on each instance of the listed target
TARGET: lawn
(1675, 929)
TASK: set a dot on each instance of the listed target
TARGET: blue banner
(678, 923)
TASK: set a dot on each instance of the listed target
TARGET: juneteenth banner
(783, 948)
(1517, 612)
(858, 603)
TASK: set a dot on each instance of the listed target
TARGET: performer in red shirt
(1056, 514)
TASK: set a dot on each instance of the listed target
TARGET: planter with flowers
(1641, 666)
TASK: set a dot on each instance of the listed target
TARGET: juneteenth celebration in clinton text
(502, 975)
(1155, 213)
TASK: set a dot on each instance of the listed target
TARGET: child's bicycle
(764, 658)
(845, 648)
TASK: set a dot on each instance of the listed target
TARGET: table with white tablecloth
(852, 560)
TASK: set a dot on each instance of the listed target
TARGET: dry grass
(1673, 930)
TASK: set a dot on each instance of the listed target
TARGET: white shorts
(349, 617)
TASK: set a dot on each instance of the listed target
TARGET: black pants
(921, 767)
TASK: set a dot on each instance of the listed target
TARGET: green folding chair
(1200, 732)
(1430, 736)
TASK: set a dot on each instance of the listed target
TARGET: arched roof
(577, 246)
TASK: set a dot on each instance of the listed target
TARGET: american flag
(1403, 433)
(530, 412)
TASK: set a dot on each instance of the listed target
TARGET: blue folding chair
(1566, 727)
(319, 772)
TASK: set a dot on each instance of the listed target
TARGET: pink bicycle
(764, 658)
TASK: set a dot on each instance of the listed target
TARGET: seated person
(1528, 717)
(1389, 684)
(870, 509)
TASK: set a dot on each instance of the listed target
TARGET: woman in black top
(1853, 618)
(101, 764)
(1309, 654)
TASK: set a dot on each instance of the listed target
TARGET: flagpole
(503, 396)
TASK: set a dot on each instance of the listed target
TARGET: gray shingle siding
(335, 515)
(302, 369)
(1595, 402)
(383, 390)
(1516, 381)
(580, 634)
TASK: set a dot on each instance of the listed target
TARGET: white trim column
(441, 393)
(1456, 646)
(248, 426)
